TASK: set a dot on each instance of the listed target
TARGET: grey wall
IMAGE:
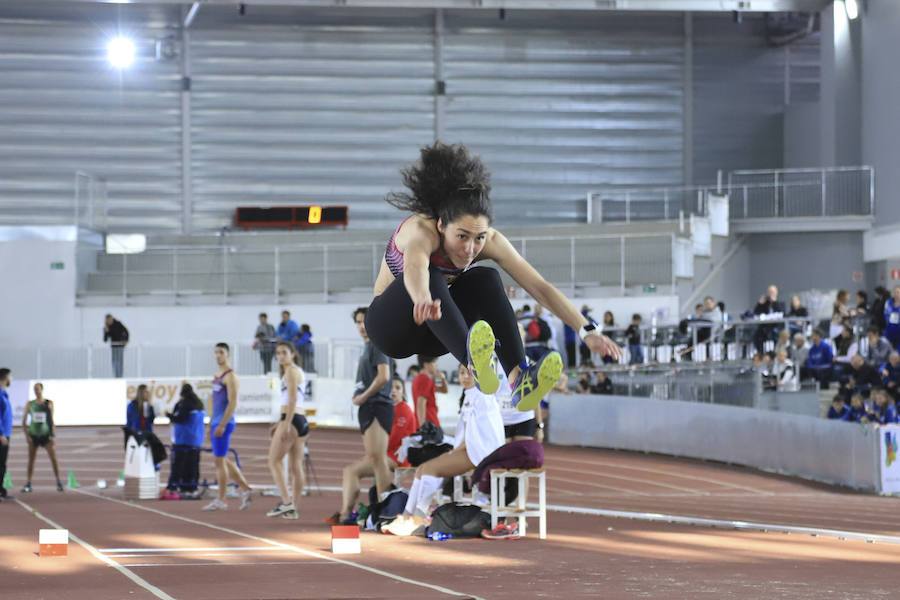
(802, 135)
(880, 102)
(840, 113)
(802, 261)
(325, 105)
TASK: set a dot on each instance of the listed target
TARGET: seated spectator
(633, 333)
(842, 344)
(818, 361)
(890, 374)
(840, 312)
(783, 342)
(603, 386)
(784, 372)
(768, 306)
(584, 384)
(762, 363)
(403, 425)
(798, 350)
(859, 411)
(862, 304)
(879, 350)
(839, 410)
(861, 377)
(884, 409)
(479, 433)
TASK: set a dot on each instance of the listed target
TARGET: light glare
(120, 52)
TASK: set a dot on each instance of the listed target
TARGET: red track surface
(584, 557)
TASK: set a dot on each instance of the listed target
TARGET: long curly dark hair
(446, 183)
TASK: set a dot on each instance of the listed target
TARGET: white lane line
(290, 547)
(198, 555)
(89, 448)
(229, 564)
(152, 550)
(612, 465)
(105, 559)
(693, 492)
(723, 523)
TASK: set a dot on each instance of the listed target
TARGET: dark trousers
(265, 355)
(477, 294)
(4, 453)
(118, 360)
(571, 354)
(185, 468)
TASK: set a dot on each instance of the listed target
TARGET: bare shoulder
(418, 230)
(496, 245)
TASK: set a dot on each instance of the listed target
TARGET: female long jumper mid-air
(430, 299)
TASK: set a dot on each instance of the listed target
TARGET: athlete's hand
(429, 310)
(603, 346)
(219, 430)
(359, 400)
(4, 441)
(285, 432)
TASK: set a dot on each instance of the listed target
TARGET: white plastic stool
(520, 508)
(459, 494)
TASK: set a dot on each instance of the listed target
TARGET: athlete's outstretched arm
(508, 258)
(416, 256)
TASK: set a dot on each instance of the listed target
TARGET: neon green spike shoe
(480, 344)
(536, 381)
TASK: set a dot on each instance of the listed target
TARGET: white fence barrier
(809, 447)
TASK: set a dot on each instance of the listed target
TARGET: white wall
(38, 304)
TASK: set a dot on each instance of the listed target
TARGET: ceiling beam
(605, 5)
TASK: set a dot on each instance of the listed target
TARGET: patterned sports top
(394, 259)
(220, 398)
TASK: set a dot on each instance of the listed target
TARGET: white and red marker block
(345, 539)
(53, 542)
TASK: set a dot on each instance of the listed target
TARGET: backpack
(537, 331)
(459, 520)
(388, 509)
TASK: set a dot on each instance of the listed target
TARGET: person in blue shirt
(859, 411)
(139, 415)
(819, 360)
(288, 329)
(890, 375)
(892, 318)
(187, 439)
(839, 410)
(305, 349)
(6, 421)
(884, 409)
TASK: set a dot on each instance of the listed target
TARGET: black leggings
(477, 294)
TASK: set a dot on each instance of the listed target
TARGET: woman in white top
(479, 433)
(289, 434)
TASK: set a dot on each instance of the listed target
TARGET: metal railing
(613, 261)
(336, 358)
(753, 194)
(826, 192)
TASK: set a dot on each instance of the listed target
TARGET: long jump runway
(158, 549)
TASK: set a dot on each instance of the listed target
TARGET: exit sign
(57, 266)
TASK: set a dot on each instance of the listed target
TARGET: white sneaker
(215, 505)
(281, 509)
(291, 515)
(246, 499)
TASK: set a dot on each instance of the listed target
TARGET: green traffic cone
(73, 483)
(7, 481)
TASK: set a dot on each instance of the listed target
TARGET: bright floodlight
(852, 7)
(120, 52)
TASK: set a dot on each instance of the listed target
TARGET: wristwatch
(589, 329)
(540, 425)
